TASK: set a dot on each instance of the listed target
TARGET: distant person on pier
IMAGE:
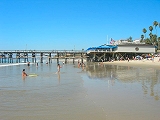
(24, 74)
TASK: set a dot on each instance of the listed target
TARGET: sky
(73, 24)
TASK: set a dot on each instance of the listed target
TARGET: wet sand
(95, 92)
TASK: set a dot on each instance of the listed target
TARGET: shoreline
(11, 64)
(137, 63)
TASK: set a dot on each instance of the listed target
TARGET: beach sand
(107, 92)
(138, 63)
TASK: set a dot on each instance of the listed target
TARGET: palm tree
(159, 26)
(144, 31)
(155, 23)
(148, 41)
(150, 28)
(154, 40)
(130, 39)
(158, 43)
(142, 37)
(150, 34)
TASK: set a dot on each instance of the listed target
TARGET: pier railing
(42, 51)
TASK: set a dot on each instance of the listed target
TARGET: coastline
(137, 63)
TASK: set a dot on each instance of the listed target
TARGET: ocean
(93, 92)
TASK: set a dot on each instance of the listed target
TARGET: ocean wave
(13, 64)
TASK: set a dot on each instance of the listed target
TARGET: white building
(135, 48)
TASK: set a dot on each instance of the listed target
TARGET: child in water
(24, 73)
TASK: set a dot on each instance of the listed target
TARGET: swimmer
(24, 73)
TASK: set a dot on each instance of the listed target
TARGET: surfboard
(32, 75)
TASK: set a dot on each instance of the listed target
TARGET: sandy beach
(138, 63)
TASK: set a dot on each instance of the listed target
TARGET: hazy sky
(73, 24)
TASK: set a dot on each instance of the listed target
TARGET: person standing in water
(24, 73)
(28, 64)
(58, 67)
(37, 64)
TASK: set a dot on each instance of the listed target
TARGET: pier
(11, 56)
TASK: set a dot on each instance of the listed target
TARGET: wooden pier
(9, 56)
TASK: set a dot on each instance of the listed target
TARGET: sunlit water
(95, 92)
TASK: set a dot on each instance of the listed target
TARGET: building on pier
(118, 52)
(100, 53)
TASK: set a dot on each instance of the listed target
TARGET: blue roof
(103, 47)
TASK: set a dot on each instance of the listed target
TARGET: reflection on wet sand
(147, 77)
(58, 75)
(92, 92)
